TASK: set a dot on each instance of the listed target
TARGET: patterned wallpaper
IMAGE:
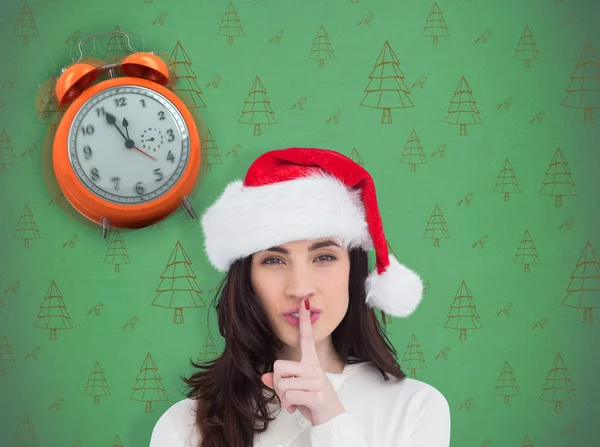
(478, 121)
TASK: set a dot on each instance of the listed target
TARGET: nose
(300, 283)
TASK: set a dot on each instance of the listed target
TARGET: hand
(125, 123)
(303, 385)
(110, 119)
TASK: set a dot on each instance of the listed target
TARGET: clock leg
(105, 227)
(188, 207)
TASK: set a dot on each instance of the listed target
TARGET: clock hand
(125, 124)
(129, 144)
(110, 119)
(138, 149)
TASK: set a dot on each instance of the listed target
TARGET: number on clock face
(128, 144)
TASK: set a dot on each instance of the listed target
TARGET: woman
(306, 361)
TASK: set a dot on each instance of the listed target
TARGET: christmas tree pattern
(558, 181)
(25, 432)
(208, 351)
(526, 48)
(526, 252)
(186, 85)
(321, 49)
(6, 357)
(413, 358)
(356, 158)
(178, 287)
(527, 442)
(436, 228)
(506, 182)
(583, 292)
(116, 47)
(386, 89)
(435, 25)
(7, 154)
(230, 24)
(116, 253)
(96, 384)
(584, 89)
(257, 108)
(463, 312)
(210, 151)
(25, 24)
(463, 109)
(48, 107)
(148, 387)
(117, 441)
(559, 386)
(26, 227)
(413, 152)
(53, 314)
(506, 384)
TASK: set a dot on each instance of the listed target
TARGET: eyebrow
(313, 247)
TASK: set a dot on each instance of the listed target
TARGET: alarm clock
(126, 153)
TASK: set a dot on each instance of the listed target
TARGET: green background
(528, 340)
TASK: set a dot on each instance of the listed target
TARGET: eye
(323, 258)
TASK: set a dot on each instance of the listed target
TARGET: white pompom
(397, 291)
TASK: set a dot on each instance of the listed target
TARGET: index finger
(307, 341)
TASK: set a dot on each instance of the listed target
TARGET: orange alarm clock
(127, 151)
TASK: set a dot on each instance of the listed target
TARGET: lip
(296, 321)
(297, 310)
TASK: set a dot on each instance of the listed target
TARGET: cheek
(338, 291)
(265, 289)
(336, 284)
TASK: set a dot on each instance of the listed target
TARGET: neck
(329, 359)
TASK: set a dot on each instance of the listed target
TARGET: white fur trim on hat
(245, 220)
(397, 291)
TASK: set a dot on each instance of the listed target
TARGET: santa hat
(307, 193)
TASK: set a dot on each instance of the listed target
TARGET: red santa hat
(307, 193)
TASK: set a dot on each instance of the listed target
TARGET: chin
(291, 336)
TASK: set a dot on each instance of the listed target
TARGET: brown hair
(232, 399)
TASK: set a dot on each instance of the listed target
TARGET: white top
(379, 413)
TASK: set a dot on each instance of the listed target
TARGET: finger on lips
(298, 381)
(307, 341)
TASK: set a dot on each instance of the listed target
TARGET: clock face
(128, 144)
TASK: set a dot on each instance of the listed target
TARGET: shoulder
(425, 396)
(176, 427)
(424, 407)
(412, 393)
(427, 415)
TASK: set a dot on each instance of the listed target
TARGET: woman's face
(317, 269)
